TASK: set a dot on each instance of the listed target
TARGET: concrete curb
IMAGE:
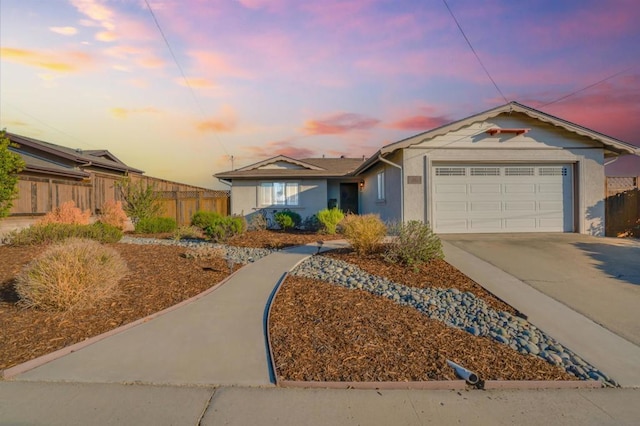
(44, 359)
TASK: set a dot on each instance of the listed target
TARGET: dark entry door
(349, 197)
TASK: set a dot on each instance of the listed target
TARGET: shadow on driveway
(619, 262)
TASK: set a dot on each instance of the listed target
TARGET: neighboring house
(55, 174)
(304, 186)
(508, 169)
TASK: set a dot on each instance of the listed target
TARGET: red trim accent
(495, 131)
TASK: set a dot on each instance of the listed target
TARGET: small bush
(287, 219)
(155, 225)
(113, 214)
(329, 218)
(186, 232)
(74, 274)
(226, 227)
(364, 233)
(415, 243)
(57, 232)
(202, 218)
(67, 213)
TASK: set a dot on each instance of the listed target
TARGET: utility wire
(184, 77)
(584, 88)
(474, 51)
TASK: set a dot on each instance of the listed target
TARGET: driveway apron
(583, 291)
(216, 340)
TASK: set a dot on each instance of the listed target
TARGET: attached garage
(509, 169)
(502, 198)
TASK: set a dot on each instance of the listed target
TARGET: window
(381, 193)
(279, 193)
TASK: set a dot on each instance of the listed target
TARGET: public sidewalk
(217, 340)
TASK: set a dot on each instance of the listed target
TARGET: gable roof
(616, 146)
(308, 167)
(98, 158)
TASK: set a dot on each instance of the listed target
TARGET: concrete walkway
(217, 340)
(610, 353)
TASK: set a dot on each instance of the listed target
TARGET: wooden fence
(38, 196)
(623, 206)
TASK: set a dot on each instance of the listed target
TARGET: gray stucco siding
(245, 201)
(542, 144)
(389, 209)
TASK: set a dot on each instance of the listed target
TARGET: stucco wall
(543, 143)
(390, 208)
(312, 197)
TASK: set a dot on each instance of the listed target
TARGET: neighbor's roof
(98, 158)
(612, 144)
(308, 167)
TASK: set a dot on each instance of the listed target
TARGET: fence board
(622, 207)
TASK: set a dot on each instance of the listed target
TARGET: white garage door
(502, 198)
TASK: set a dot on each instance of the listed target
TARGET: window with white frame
(381, 192)
(279, 193)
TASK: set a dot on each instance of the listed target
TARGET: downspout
(384, 160)
(611, 161)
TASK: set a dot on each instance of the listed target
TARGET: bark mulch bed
(159, 277)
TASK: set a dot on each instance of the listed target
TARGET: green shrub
(415, 243)
(226, 227)
(73, 274)
(287, 219)
(155, 225)
(203, 218)
(57, 232)
(329, 218)
(364, 233)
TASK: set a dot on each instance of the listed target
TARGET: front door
(349, 197)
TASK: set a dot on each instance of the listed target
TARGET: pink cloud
(283, 147)
(67, 31)
(607, 108)
(119, 112)
(419, 122)
(339, 123)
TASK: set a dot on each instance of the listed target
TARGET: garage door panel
(485, 206)
(519, 188)
(451, 206)
(484, 188)
(520, 206)
(460, 188)
(505, 198)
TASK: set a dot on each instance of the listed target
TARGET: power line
(585, 88)
(474, 51)
(184, 77)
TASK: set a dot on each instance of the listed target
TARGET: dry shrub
(70, 275)
(113, 214)
(67, 213)
(415, 243)
(364, 233)
(205, 253)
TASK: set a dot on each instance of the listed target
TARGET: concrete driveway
(597, 277)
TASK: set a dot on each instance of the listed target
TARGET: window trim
(273, 195)
(381, 193)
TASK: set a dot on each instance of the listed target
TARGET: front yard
(319, 331)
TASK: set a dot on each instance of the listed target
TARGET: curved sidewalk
(216, 340)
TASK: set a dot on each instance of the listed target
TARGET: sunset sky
(256, 78)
